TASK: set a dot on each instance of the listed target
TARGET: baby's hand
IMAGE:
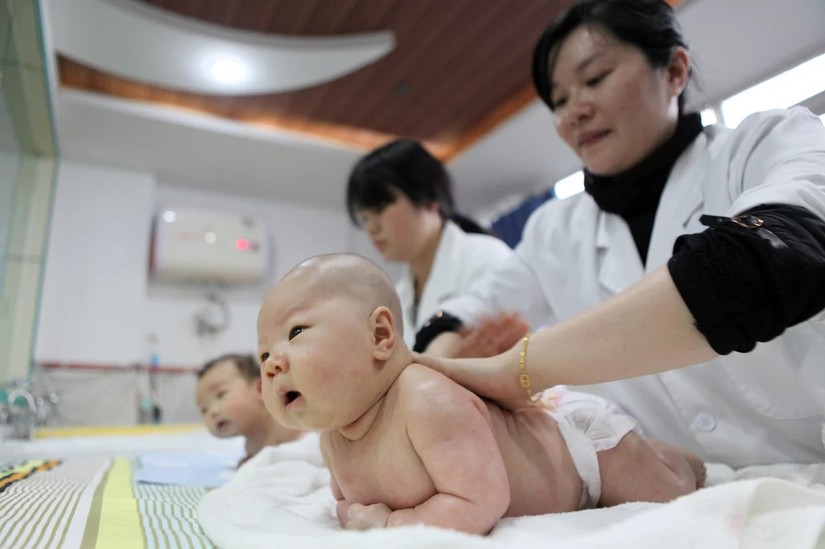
(366, 517)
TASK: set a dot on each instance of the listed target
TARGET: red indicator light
(242, 244)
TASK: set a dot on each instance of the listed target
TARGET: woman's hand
(491, 337)
(496, 378)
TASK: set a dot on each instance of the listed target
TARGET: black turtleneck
(634, 194)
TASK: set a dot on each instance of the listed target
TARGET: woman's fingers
(491, 378)
(510, 330)
(492, 336)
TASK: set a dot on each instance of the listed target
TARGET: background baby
(228, 395)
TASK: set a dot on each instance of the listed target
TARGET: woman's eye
(596, 79)
(295, 331)
(559, 102)
(221, 394)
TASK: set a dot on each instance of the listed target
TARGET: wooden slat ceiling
(460, 67)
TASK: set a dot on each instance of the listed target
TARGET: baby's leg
(638, 469)
(676, 455)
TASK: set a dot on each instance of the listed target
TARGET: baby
(406, 445)
(228, 395)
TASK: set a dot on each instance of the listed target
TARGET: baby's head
(330, 342)
(228, 395)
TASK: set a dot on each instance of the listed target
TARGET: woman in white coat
(690, 275)
(401, 195)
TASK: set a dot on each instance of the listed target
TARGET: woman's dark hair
(403, 166)
(650, 25)
(245, 364)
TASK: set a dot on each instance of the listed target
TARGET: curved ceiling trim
(150, 45)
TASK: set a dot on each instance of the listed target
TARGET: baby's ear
(258, 385)
(383, 333)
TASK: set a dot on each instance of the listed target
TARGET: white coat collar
(441, 280)
(443, 271)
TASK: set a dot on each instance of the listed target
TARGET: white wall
(297, 232)
(99, 305)
(92, 306)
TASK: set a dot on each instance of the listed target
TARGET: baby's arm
(640, 469)
(354, 516)
(341, 504)
(451, 435)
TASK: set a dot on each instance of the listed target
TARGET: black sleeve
(439, 323)
(747, 278)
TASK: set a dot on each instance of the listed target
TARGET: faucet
(22, 422)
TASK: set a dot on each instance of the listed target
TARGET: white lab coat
(765, 406)
(459, 260)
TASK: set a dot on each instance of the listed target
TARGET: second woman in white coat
(402, 196)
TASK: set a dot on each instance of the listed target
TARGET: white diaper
(589, 424)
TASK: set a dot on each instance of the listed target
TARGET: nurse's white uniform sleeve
(509, 286)
(778, 157)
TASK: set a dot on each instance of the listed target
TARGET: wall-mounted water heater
(197, 246)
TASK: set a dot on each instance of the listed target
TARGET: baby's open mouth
(290, 397)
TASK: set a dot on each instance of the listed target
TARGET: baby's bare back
(391, 464)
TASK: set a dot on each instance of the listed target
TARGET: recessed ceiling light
(228, 70)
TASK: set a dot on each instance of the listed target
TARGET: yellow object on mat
(119, 520)
(118, 430)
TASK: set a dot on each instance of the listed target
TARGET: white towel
(282, 496)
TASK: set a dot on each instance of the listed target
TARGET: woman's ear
(678, 71)
(383, 333)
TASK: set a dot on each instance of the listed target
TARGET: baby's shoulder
(417, 376)
(427, 390)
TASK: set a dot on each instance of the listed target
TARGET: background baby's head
(228, 395)
(330, 341)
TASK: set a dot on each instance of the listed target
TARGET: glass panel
(26, 183)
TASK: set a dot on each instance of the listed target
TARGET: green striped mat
(93, 502)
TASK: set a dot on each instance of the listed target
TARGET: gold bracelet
(523, 377)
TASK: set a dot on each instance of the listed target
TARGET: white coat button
(704, 422)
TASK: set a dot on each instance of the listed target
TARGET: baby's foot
(700, 472)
